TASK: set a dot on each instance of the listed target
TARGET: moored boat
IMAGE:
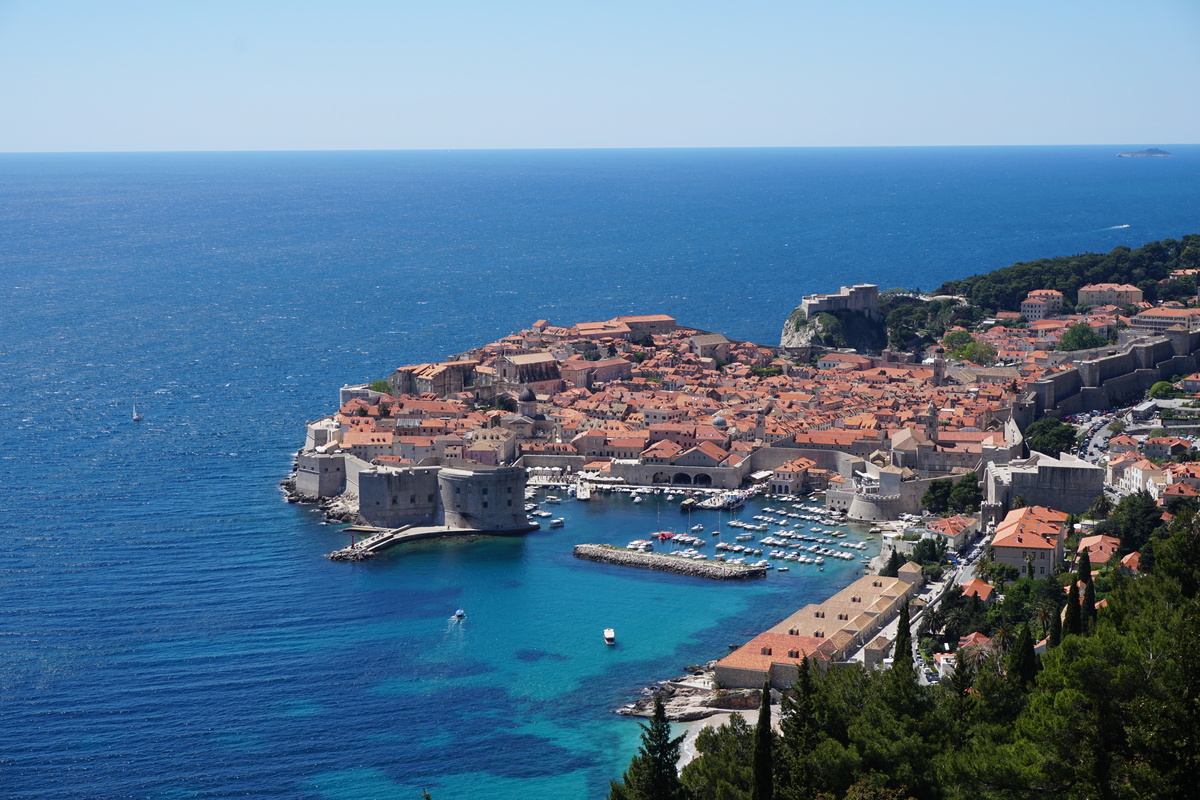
(610, 636)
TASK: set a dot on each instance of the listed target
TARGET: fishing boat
(610, 636)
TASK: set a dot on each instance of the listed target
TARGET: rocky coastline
(336, 510)
(714, 570)
(693, 697)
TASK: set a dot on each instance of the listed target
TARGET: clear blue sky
(248, 75)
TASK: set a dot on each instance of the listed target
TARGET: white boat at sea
(137, 417)
(557, 522)
(583, 491)
(610, 636)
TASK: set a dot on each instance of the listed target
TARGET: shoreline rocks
(689, 698)
(714, 570)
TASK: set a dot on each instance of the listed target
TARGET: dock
(715, 570)
(386, 538)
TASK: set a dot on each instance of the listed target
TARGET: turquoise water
(170, 628)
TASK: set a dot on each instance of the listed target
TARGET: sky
(451, 74)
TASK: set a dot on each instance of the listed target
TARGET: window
(485, 490)
(412, 498)
(510, 503)
(766, 651)
(485, 503)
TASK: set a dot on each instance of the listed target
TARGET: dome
(720, 422)
(527, 396)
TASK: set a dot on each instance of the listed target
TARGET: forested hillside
(1145, 267)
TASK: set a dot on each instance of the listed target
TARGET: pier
(386, 538)
(609, 554)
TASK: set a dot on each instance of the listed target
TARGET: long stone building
(828, 632)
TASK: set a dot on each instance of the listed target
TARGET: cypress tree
(652, 774)
(902, 658)
(1056, 628)
(1087, 614)
(1083, 570)
(1023, 666)
(1071, 621)
(892, 568)
(764, 786)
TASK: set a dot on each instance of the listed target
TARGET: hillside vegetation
(1145, 267)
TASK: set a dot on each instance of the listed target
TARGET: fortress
(863, 297)
(439, 492)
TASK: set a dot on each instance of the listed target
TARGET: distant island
(1149, 152)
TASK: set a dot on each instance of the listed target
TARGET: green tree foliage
(1022, 660)
(799, 728)
(382, 386)
(1087, 608)
(1004, 289)
(722, 769)
(966, 497)
(1116, 427)
(1083, 567)
(1073, 619)
(1162, 389)
(902, 657)
(1101, 507)
(977, 353)
(763, 787)
(1081, 336)
(1112, 715)
(652, 774)
(892, 568)
(956, 340)
(1050, 436)
(1136, 518)
(937, 496)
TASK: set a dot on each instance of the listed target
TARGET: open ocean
(169, 627)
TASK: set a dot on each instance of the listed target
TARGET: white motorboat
(610, 636)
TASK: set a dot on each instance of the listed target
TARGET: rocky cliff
(834, 329)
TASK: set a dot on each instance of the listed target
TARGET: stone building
(1103, 294)
(1066, 483)
(863, 297)
(438, 492)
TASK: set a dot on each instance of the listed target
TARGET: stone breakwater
(697, 569)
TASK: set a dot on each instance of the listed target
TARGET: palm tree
(976, 656)
(1004, 634)
(1044, 613)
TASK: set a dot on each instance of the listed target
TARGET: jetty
(609, 554)
(386, 538)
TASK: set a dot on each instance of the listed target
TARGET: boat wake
(1114, 227)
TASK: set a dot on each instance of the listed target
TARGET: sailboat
(136, 416)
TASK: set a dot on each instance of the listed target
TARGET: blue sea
(170, 628)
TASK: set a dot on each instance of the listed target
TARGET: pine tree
(798, 726)
(764, 786)
(1083, 570)
(1072, 624)
(652, 774)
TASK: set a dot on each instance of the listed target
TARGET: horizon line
(581, 148)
